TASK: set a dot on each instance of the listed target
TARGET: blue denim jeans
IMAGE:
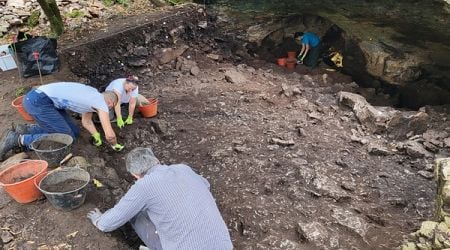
(49, 119)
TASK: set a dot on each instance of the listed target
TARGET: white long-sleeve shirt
(180, 205)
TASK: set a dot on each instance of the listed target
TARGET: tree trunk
(51, 10)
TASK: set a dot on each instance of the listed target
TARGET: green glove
(118, 147)
(120, 122)
(129, 120)
(97, 139)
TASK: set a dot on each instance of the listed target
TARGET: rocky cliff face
(402, 43)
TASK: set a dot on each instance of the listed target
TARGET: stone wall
(435, 234)
(14, 14)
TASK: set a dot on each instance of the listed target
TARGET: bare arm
(131, 107)
(117, 107)
(306, 51)
(86, 121)
(302, 50)
(107, 128)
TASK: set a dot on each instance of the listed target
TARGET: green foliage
(123, 2)
(108, 3)
(175, 2)
(112, 2)
(75, 13)
(20, 91)
(33, 20)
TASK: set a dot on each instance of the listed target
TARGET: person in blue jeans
(311, 47)
(47, 105)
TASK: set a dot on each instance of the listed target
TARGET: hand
(97, 140)
(129, 120)
(94, 216)
(120, 122)
(118, 147)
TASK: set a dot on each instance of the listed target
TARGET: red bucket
(281, 62)
(292, 54)
(149, 110)
(17, 103)
(18, 180)
(291, 63)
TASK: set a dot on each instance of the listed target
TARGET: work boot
(9, 141)
(21, 128)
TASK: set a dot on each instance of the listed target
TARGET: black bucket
(53, 156)
(67, 200)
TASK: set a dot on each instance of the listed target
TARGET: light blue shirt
(180, 205)
(77, 97)
(118, 85)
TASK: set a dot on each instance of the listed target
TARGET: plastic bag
(47, 56)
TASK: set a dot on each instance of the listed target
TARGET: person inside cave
(311, 48)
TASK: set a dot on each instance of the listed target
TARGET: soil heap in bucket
(18, 180)
(65, 188)
(52, 148)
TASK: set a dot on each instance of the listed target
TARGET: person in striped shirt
(169, 207)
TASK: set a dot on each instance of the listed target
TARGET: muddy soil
(276, 148)
(50, 145)
(21, 178)
(64, 186)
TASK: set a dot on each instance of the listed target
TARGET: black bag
(46, 47)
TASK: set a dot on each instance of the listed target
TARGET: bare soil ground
(281, 167)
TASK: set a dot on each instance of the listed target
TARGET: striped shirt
(180, 205)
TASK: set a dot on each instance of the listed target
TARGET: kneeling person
(47, 105)
(128, 92)
(170, 207)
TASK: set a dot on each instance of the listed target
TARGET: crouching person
(128, 92)
(169, 207)
(47, 105)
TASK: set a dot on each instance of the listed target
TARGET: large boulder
(367, 115)
(389, 63)
(398, 124)
(401, 123)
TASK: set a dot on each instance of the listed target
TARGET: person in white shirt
(47, 105)
(128, 92)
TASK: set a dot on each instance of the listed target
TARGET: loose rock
(234, 76)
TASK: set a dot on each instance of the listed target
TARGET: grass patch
(33, 20)
(176, 2)
(20, 91)
(75, 13)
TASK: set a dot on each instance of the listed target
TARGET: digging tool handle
(65, 159)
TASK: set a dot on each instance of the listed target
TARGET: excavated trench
(151, 47)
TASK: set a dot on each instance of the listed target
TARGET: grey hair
(111, 95)
(140, 160)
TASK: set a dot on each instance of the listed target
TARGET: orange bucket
(290, 64)
(18, 180)
(281, 62)
(150, 109)
(292, 54)
(17, 103)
